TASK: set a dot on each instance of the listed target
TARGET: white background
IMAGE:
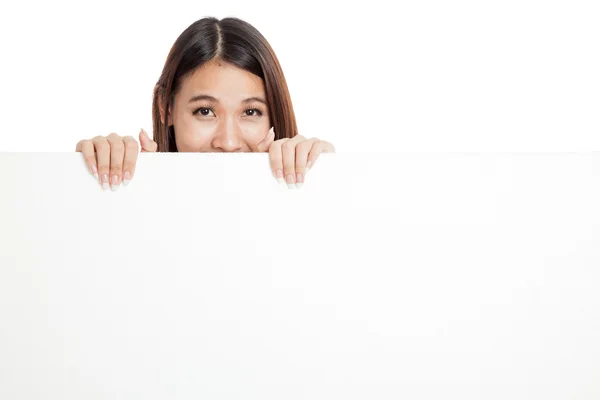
(450, 276)
(516, 75)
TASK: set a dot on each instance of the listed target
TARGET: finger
(117, 155)
(319, 147)
(288, 154)
(276, 160)
(263, 146)
(131, 155)
(102, 148)
(86, 147)
(302, 150)
(148, 145)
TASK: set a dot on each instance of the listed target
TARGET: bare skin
(232, 116)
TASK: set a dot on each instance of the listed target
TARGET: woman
(224, 91)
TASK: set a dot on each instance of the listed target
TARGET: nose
(228, 138)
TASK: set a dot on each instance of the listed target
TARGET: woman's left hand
(292, 158)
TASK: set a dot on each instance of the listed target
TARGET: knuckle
(99, 139)
(131, 148)
(103, 168)
(117, 145)
(290, 158)
(316, 149)
(289, 164)
(276, 164)
(279, 143)
(102, 145)
(288, 145)
(275, 154)
(131, 145)
(304, 146)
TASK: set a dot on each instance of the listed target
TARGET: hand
(114, 156)
(292, 158)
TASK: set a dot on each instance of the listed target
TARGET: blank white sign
(387, 276)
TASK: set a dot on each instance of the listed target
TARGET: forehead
(222, 80)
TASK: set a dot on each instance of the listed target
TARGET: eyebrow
(215, 100)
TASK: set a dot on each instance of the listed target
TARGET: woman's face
(220, 108)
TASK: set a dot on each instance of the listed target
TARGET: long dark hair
(233, 41)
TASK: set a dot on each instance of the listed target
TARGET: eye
(255, 112)
(204, 111)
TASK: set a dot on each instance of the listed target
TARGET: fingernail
(94, 170)
(308, 164)
(115, 183)
(271, 131)
(280, 176)
(144, 132)
(290, 181)
(299, 180)
(126, 178)
(105, 184)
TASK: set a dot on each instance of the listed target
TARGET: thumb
(265, 144)
(148, 145)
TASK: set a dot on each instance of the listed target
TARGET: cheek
(192, 136)
(255, 133)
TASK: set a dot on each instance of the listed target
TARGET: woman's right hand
(114, 156)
